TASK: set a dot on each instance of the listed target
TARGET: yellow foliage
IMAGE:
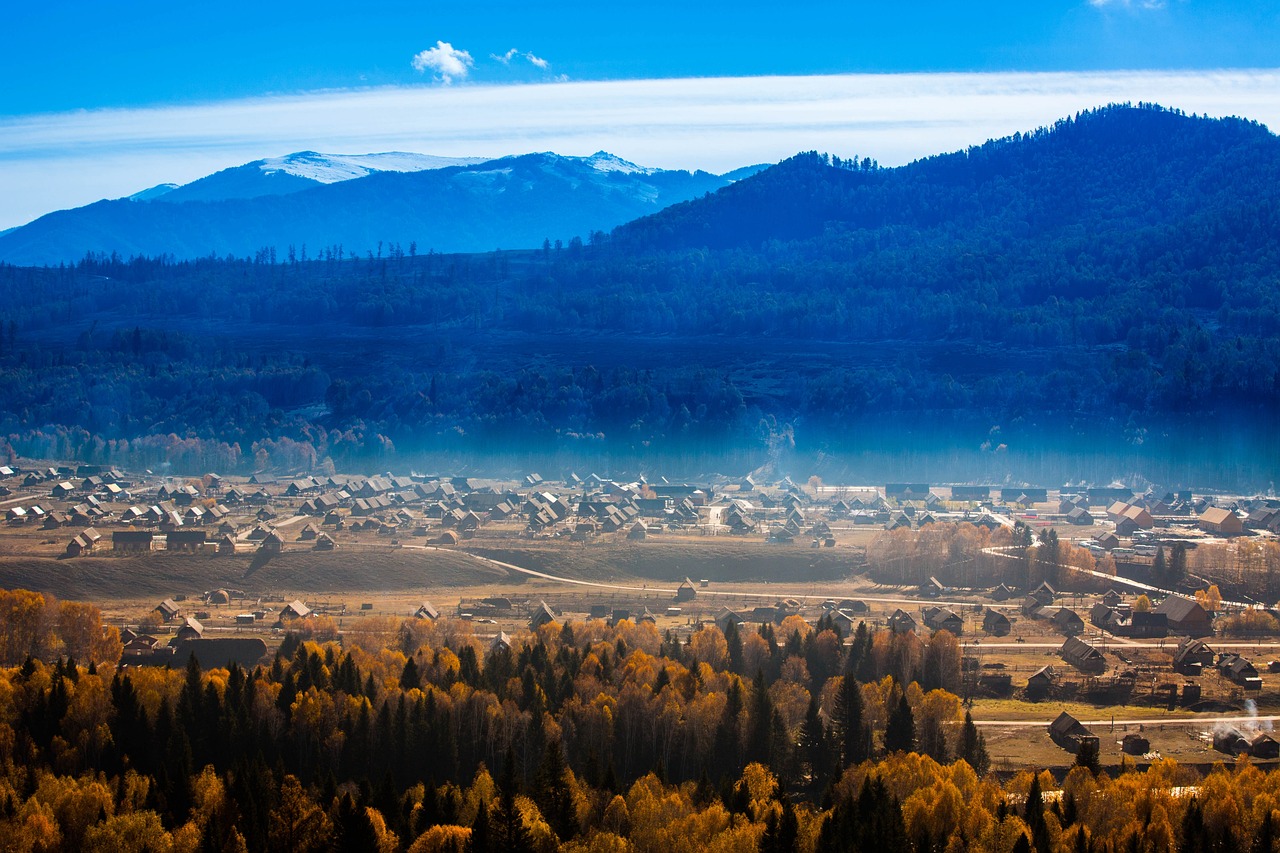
(134, 832)
(599, 842)
(617, 818)
(443, 839)
(387, 841)
(794, 622)
(708, 646)
(298, 824)
(481, 790)
(761, 785)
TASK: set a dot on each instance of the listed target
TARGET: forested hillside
(411, 735)
(1108, 282)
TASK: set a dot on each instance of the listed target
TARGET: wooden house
(1239, 670)
(190, 629)
(1223, 522)
(500, 644)
(167, 609)
(1185, 616)
(1192, 656)
(1083, 656)
(132, 540)
(542, 615)
(996, 623)
(901, 622)
(295, 610)
(1068, 733)
(1064, 619)
(727, 617)
(943, 619)
(686, 591)
(1264, 746)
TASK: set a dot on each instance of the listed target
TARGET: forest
(1109, 281)
(413, 735)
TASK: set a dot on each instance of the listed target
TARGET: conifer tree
(900, 730)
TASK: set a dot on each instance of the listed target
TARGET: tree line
(578, 737)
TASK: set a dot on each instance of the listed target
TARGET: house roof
(1077, 649)
(1178, 609)
(297, 608)
(1192, 647)
(1066, 725)
(1044, 673)
(1215, 515)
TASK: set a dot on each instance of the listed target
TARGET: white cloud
(49, 162)
(505, 58)
(445, 60)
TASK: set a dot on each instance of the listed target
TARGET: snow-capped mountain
(358, 202)
(303, 170)
(603, 161)
(332, 168)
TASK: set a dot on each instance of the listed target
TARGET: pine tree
(814, 755)
(900, 730)
(482, 831)
(851, 732)
(734, 640)
(1034, 816)
(1087, 757)
(409, 677)
(509, 832)
(553, 795)
(726, 755)
(973, 746)
(760, 722)
(1160, 567)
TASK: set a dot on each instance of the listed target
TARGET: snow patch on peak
(152, 192)
(334, 168)
(603, 161)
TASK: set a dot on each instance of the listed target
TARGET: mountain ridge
(1104, 287)
(509, 202)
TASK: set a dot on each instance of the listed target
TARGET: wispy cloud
(445, 60)
(62, 160)
(1128, 4)
(505, 58)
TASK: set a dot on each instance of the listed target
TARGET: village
(1102, 639)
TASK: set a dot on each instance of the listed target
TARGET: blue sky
(106, 98)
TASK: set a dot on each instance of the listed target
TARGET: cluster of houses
(451, 509)
(1256, 745)
(1039, 604)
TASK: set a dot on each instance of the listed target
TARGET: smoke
(1248, 728)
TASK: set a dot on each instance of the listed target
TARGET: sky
(103, 100)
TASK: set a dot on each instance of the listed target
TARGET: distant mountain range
(362, 202)
(1106, 286)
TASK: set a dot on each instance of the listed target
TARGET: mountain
(152, 193)
(304, 170)
(1122, 169)
(362, 202)
(1104, 290)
